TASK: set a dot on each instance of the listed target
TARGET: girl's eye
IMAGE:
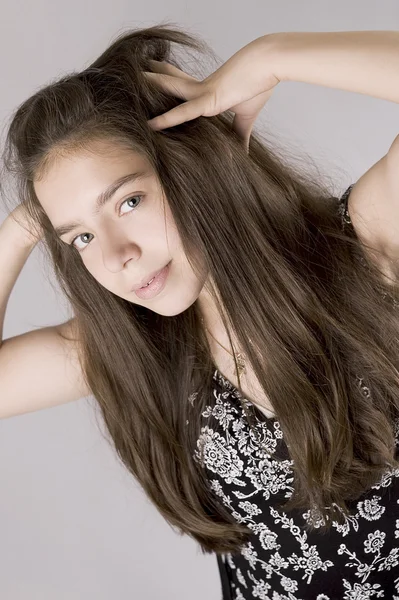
(131, 199)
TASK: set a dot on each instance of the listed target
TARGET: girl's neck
(212, 320)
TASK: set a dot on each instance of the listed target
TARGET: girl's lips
(146, 281)
(156, 285)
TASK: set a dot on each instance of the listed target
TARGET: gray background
(74, 525)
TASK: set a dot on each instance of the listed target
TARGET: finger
(179, 114)
(176, 86)
(169, 69)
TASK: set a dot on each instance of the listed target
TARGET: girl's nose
(117, 250)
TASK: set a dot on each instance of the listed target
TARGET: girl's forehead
(102, 151)
(86, 163)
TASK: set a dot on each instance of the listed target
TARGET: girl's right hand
(29, 229)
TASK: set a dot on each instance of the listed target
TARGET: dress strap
(343, 206)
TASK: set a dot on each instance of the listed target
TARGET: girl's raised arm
(38, 369)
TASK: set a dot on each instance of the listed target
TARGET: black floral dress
(354, 561)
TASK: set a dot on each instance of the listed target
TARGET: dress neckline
(226, 384)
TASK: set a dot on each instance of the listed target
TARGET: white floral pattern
(356, 560)
(282, 561)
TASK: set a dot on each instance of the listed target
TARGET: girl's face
(127, 238)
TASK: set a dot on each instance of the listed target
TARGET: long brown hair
(288, 276)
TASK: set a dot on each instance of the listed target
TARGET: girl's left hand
(243, 84)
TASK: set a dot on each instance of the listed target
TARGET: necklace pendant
(240, 364)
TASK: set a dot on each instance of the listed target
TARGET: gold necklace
(239, 357)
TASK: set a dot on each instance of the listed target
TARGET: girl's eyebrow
(102, 199)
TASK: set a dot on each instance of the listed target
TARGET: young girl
(235, 320)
